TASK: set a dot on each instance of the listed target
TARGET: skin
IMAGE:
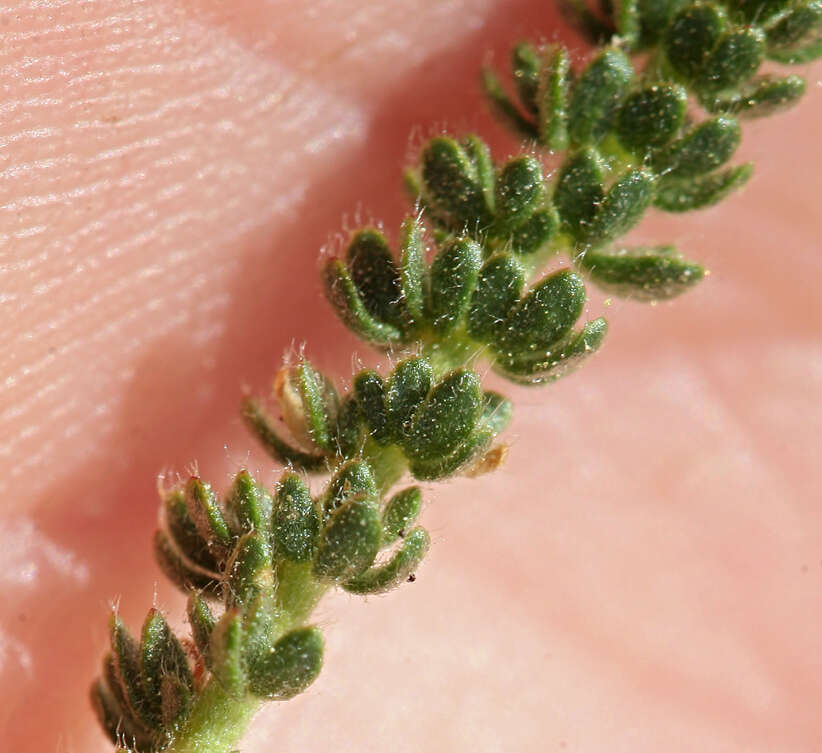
(646, 572)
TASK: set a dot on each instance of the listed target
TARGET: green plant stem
(217, 721)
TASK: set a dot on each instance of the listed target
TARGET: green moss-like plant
(463, 287)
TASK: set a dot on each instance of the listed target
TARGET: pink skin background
(644, 575)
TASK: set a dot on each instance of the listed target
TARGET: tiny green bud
(201, 503)
(807, 54)
(797, 26)
(645, 274)
(369, 390)
(692, 36)
(452, 187)
(343, 295)
(162, 659)
(454, 274)
(536, 232)
(182, 572)
(182, 531)
(375, 275)
(115, 718)
(651, 116)
(546, 314)
(126, 655)
(626, 17)
(498, 290)
(519, 189)
(621, 208)
(408, 386)
(248, 568)
(412, 267)
(441, 466)
(525, 65)
(598, 93)
(697, 193)
(759, 11)
(350, 429)
(202, 624)
(447, 417)
(349, 541)
(541, 367)
(309, 403)
(292, 665)
(552, 98)
(226, 651)
(704, 148)
(579, 191)
(505, 110)
(400, 513)
(496, 412)
(247, 506)
(734, 60)
(354, 478)
(764, 96)
(262, 426)
(406, 559)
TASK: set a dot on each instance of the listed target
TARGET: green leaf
(344, 296)
(262, 426)
(247, 568)
(498, 290)
(452, 188)
(621, 209)
(354, 478)
(290, 668)
(764, 96)
(651, 116)
(412, 268)
(454, 274)
(407, 388)
(400, 513)
(645, 274)
(655, 16)
(692, 36)
(248, 506)
(349, 541)
(597, 96)
(226, 651)
(549, 365)
(704, 148)
(184, 574)
(697, 193)
(519, 190)
(552, 98)
(406, 559)
(545, 315)
(369, 390)
(115, 718)
(204, 511)
(202, 624)
(627, 20)
(447, 417)
(579, 191)
(314, 409)
(536, 232)
(734, 60)
(376, 277)
(296, 519)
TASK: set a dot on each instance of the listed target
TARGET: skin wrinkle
(643, 592)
